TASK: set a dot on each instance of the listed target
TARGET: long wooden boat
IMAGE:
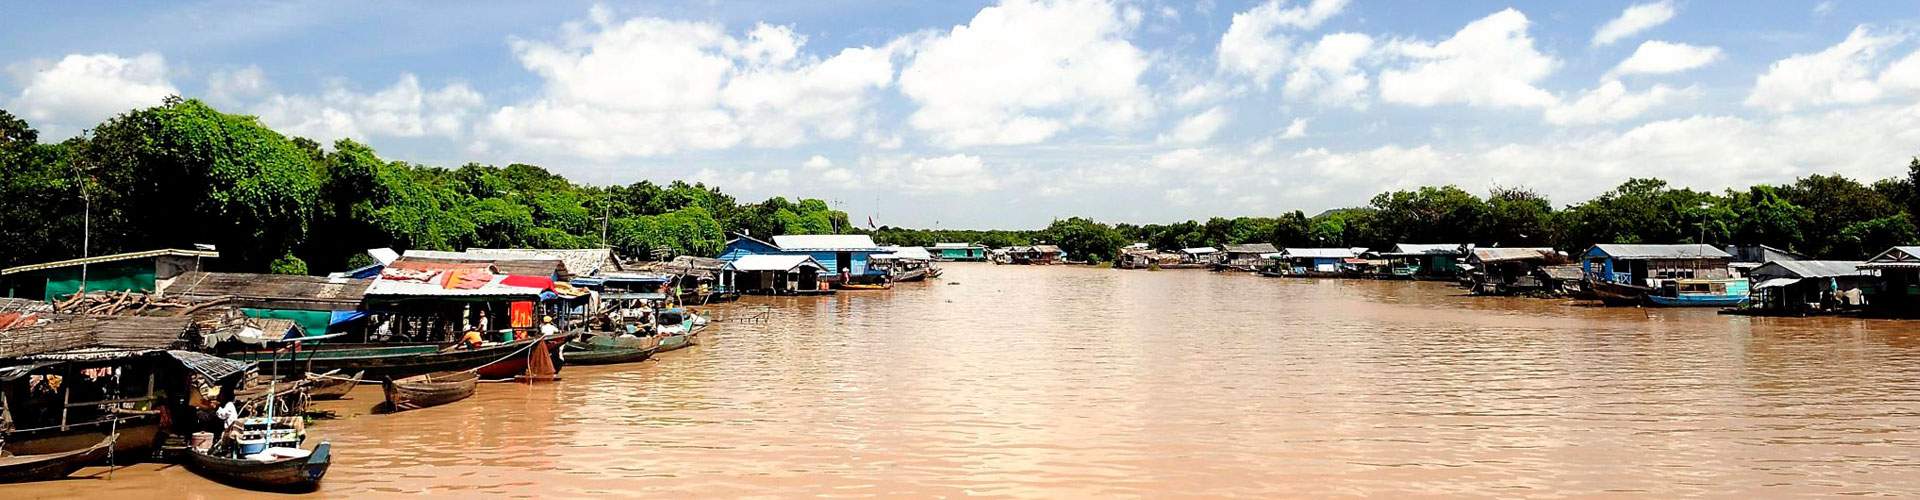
(42, 467)
(329, 386)
(1701, 293)
(432, 389)
(866, 286)
(135, 434)
(913, 274)
(1617, 294)
(295, 474)
(513, 365)
(387, 360)
(608, 350)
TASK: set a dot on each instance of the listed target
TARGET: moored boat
(276, 469)
(48, 466)
(608, 350)
(389, 360)
(330, 386)
(516, 363)
(866, 286)
(1700, 293)
(427, 390)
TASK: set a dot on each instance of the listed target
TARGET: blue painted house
(839, 253)
(1646, 265)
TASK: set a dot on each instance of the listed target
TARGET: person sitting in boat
(472, 339)
(547, 327)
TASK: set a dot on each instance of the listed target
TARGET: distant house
(1644, 265)
(1248, 256)
(125, 272)
(1511, 270)
(1810, 286)
(1313, 261)
(776, 274)
(1038, 255)
(1748, 257)
(839, 254)
(959, 252)
(1425, 260)
(1899, 290)
(1198, 255)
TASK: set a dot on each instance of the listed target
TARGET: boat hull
(135, 436)
(43, 467)
(1618, 294)
(1697, 301)
(590, 353)
(291, 475)
(434, 389)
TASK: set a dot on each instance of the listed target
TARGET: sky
(1012, 114)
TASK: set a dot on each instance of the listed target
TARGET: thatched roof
(108, 332)
(273, 291)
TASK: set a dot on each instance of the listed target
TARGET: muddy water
(1078, 382)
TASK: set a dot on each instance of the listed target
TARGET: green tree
(1514, 217)
(184, 173)
(1084, 239)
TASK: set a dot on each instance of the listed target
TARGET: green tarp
(314, 322)
(128, 276)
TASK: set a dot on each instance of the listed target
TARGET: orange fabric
(521, 314)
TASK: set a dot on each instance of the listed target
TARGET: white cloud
(230, 86)
(1255, 44)
(1296, 129)
(1611, 103)
(1658, 57)
(1635, 19)
(956, 173)
(647, 86)
(1841, 74)
(1823, 8)
(81, 90)
(1023, 71)
(404, 109)
(1328, 72)
(817, 162)
(1198, 128)
(1902, 75)
(1490, 62)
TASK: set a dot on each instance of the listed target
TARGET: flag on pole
(870, 223)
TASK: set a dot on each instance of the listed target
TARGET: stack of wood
(127, 304)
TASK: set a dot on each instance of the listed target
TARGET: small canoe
(295, 473)
(433, 389)
(608, 350)
(866, 286)
(330, 386)
(22, 468)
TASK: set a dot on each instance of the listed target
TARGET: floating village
(151, 356)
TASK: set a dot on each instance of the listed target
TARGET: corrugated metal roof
(774, 262)
(1810, 268)
(1319, 253)
(1505, 254)
(1199, 250)
(1252, 248)
(405, 288)
(111, 258)
(580, 262)
(956, 245)
(909, 253)
(1639, 251)
(835, 242)
(1426, 248)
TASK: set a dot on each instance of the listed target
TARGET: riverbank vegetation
(184, 173)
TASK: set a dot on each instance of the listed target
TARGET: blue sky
(1010, 114)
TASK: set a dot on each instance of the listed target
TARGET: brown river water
(1079, 382)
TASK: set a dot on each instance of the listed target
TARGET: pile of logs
(127, 304)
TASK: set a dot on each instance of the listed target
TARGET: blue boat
(1700, 293)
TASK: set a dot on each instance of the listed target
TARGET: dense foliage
(184, 173)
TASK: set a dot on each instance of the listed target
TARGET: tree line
(183, 173)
